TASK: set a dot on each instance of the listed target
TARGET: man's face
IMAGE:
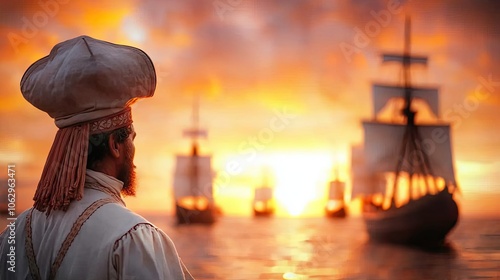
(127, 170)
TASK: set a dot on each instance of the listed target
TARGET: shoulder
(112, 220)
(144, 231)
(22, 216)
(146, 251)
(139, 232)
(148, 240)
(116, 214)
(17, 223)
(146, 234)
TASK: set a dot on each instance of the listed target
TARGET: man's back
(96, 238)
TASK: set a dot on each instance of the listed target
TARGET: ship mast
(336, 173)
(411, 152)
(195, 133)
(406, 72)
(265, 177)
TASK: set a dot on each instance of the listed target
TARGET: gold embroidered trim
(111, 122)
(30, 252)
(74, 232)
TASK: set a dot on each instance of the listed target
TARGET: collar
(105, 183)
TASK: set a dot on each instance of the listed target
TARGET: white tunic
(110, 243)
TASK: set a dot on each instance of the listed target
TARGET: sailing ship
(263, 203)
(335, 206)
(404, 173)
(193, 180)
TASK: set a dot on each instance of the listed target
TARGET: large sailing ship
(193, 179)
(404, 172)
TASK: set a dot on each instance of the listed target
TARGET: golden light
(134, 30)
(194, 202)
(290, 275)
(300, 178)
(259, 206)
(333, 205)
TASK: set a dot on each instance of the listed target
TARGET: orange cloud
(250, 62)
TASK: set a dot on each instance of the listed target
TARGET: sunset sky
(283, 85)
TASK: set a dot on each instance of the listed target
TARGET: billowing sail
(263, 194)
(383, 148)
(364, 180)
(193, 176)
(336, 190)
(383, 93)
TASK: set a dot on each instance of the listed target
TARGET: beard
(127, 174)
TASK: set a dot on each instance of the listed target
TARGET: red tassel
(63, 175)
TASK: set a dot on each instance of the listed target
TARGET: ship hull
(338, 213)
(263, 208)
(263, 213)
(195, 216)
(424, 222)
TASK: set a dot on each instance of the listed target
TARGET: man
(79, 227)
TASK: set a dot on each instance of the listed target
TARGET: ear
(113, 145)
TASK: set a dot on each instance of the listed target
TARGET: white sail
(364, 181)
(383, 148)
(263, 194)
(336, 190)
(193, 176)
(383, 93)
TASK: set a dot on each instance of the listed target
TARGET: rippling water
(319, 248)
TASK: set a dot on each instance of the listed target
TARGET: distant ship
(335, 206)
(409, 158)
(193, 180)
(263, 203)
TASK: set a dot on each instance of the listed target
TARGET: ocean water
(321, 248)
